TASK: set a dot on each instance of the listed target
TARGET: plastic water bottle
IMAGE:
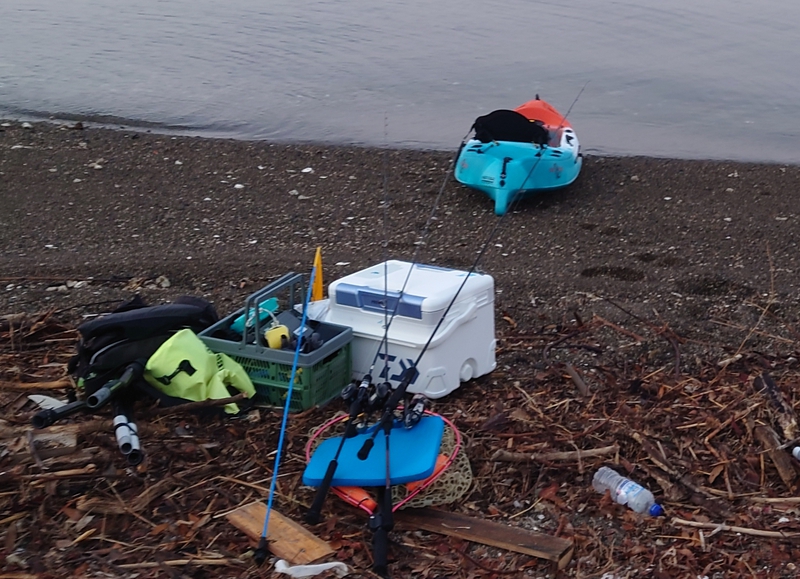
(626, 492)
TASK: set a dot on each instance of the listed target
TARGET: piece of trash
(626, 492)
(299, 571)
(46, 402)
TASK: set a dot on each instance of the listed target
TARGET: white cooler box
(463, 346)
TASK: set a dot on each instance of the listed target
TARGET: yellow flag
(317, 290)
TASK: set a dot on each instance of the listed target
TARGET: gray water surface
(677, 78)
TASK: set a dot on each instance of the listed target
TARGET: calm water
(679, 78)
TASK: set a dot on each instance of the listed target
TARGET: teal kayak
(516, 154)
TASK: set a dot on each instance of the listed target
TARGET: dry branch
(506, 456)
(717, 527)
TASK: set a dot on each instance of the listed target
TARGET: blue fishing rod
(260, 554)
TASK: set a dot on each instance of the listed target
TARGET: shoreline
(121, 124)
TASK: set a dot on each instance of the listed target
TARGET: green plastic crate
(321, 375)
(313, 385)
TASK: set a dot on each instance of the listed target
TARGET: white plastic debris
(299, 571)
(46, 402)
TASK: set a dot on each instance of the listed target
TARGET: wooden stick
(733, 529)
(59, 384)
(576, 378)
(61, 474)
(771, 443)
(621, 330)
(192, 406)
(505, 456)
(180, 563)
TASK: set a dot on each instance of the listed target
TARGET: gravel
(90, 216)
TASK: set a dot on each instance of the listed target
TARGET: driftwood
(780, 458)
(506, 456)
(781, 409)
(556, 549)
(577, 380)
(717, 527)
(285, 538)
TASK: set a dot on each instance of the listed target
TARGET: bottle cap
(656, 510)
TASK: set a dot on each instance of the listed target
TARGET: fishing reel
(378, 396)
(308, 343)
(415, 410)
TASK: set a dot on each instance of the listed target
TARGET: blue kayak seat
(412, 456)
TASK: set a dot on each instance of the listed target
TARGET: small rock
(238, 186)
(5, 125)
(26, 126)
(179, 162)
(294, 192)
(635, 178)
(83, 145)
(162, 281)
(76, 180)
(307, 170)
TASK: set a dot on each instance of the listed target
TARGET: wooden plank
(488, 533)
(285, 538)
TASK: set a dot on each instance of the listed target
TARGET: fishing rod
(379, 396)
(425, 233)
(260, 554)
(541, 152)
(411, 373)
(382, 521)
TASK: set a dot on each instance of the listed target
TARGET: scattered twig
(717, 527)
(576, 378)
(506, 456)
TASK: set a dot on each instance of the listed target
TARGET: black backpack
(133, 332)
